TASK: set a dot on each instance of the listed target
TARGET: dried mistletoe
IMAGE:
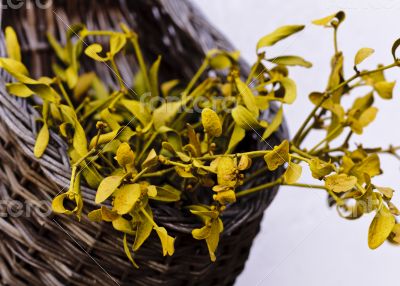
(177, 143)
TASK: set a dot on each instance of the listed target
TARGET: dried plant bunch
(174, 143)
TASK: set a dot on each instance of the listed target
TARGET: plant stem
(64, 93)
(300, 158)
(173, 163)
(139, 56)
(88, 154)
(360, 74)
(327, 138)
(195, 78)
(303, 185)
(148, 216)
(105, 102)
(346, 141)
(148, 144)
(305, 133)
(300, 152)
(158, 173)
(255, 174)
(335, 42)
(138, 176)
(105, 159)
(117, 73)
(259, 188)
(253, 70)
(252, 154)
(298, 134)
(282, 183)
(309, 117)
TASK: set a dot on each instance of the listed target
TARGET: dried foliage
(176, 145)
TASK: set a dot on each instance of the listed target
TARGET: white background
(302, 241)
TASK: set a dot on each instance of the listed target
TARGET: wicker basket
(56, 250)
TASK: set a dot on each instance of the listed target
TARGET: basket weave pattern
(57, 250)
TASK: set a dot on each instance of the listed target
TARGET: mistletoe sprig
(176, 143)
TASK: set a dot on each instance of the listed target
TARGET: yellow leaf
(290, 90)
(262, 101)
(380, 228)
(138, 110)
(363, 102)
(369, 165)
(125, 155)
(79, 140)
(211, 122)
(167, 242)
(339, 16)
(152, 191)
(274, 125)
(107, 187)
(201, 233)
(182, 172)
(385, 89)
(386, 192)
(220, 62)
(248, 97)
(58, 204)
(166, 193)
(16, 69)
(396, 233)
(110, 119)
(71, 73)
(173, 137)
(12, 45)
(164, 114)
(340, 183)
(117, 43)
(244, 163)
(100, 89)
(151, 159)
(144, 229)
(95, 215)
(168, 86)
(278, 156)
(83, 84)
(128, 252)
(126, 197)
(18, 89)
(153, 78)
(58, 49)
(320, 169)
(44, 91)
(290, 61)
(279, 34)
(237, 136)
(42, 141)
(205, 214)
(213, 239)
(93, 52)
(362, 54)
(226, 171)
(225, 197)
(245, 119)
(368, 116)
(123, 225)
(293, 173)
(393, 209)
